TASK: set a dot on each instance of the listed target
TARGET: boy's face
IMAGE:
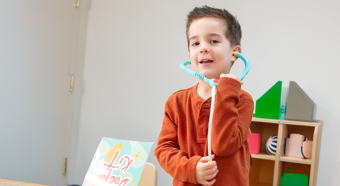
(209, 49)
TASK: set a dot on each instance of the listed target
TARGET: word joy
(114, 179)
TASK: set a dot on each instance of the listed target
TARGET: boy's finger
(211, 171)
(206, 158)
(209, 183)
(212, 157)
(224, 75)
(210, 165)
(211, 176)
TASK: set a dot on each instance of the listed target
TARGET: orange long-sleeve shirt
(183, 138)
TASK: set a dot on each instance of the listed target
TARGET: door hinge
(64, 171)
(71, 83)
(77, 3)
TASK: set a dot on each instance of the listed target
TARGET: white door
(36, 43)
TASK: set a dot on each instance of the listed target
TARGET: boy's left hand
(233, 76)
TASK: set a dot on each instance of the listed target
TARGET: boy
(213, 35)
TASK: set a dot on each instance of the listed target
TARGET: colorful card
(117, 163)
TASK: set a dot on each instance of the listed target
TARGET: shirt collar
(197, 100)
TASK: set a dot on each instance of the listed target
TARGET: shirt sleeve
(232, 117)
(168, 153)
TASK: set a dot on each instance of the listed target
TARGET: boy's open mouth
(206, 62)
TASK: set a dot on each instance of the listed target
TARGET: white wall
(134, 48)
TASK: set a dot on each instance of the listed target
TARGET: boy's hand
(233, 76)
(206, 171)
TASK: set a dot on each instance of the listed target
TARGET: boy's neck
(204, 90)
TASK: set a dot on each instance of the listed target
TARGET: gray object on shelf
(299, 105)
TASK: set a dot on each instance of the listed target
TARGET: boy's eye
(195, 43)
(214, 41)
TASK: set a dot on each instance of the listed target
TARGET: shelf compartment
(285, 131)
(297, 168)
(265, 130)
(295, 160)
(261, 173)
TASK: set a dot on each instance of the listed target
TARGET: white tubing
(213, 92)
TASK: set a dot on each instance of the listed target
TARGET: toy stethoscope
(213, 83)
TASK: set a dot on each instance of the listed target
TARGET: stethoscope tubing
(213, 83)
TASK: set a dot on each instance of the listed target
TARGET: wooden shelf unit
(268, 169)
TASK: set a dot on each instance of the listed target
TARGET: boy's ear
(238, 49)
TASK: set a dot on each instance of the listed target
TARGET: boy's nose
(204, 49)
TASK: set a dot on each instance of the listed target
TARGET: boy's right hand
(206, 171)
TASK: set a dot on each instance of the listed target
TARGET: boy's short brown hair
(233, 27)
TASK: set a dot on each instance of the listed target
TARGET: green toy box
(292, 179)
